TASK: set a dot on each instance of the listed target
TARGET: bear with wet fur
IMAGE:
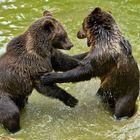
(28, 56)
(110, 58)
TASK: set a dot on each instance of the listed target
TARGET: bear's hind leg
(9, 114)
(124, 107)
(106, 97)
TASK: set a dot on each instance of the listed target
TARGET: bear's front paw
(71, 101)
(47, 78)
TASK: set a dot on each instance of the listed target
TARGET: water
(47, 119)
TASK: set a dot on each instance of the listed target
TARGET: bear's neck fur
(25, 44)
(111, 38)
(105, 38)
(22, 52)
(37, 47)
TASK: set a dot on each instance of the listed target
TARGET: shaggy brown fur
(27, 57)
(110, 58)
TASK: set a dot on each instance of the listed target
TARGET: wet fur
(27, 57)
(110, 58)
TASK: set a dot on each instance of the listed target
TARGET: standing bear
(27, 57)
(110, 58)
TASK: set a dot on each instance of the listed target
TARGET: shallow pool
(47, 119)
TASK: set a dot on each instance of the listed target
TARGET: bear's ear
(110, 12)
(97, 10)
(46, 13)
(48, 25)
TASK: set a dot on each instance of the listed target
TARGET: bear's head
(46, 34)
(98, 23)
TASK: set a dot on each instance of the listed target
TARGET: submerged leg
(100, 92)
(9, 114)
(56, 92)
(106, 97)
(125, 107)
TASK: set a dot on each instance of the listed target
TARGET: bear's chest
(40, 67)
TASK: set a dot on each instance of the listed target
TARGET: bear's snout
(81, 34)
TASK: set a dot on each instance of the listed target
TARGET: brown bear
(27, 57)
(110, 58)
